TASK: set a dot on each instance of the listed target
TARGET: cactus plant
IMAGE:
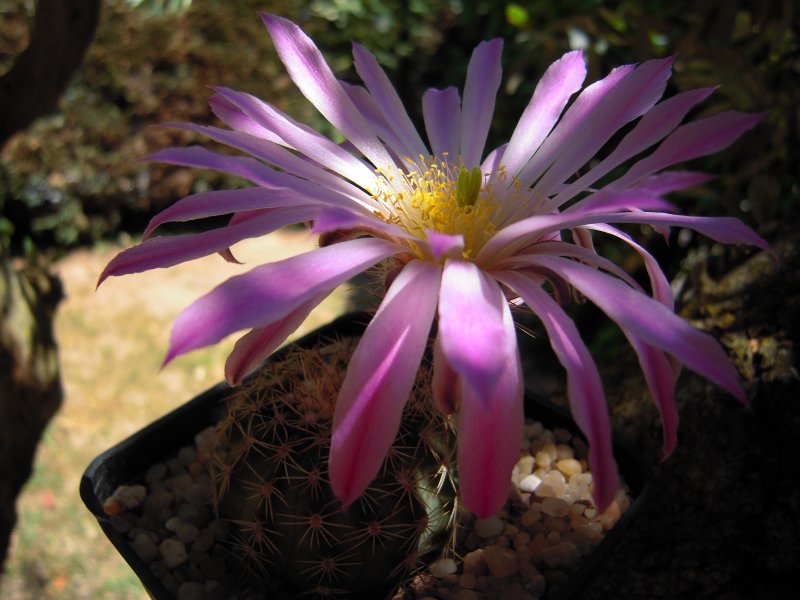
(271, 483)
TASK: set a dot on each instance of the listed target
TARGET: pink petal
(490, 426)
(367, 106)
(480, 90)
(236, 119)
(441, 110)
(562, 79)
(650, 321)
(471, 325)
(223, 202)
(163, 252)
(692, 140)
(302, 138)
(632, 97)
(270, 292)
(313, 77)
(585, 390)
(446, 387)
(660, 377)
(662, 291)
(380, 378)
(197, 156)
(527, 231)
(297, 173)
(570, 126)
(444, 244)
(387, 100)
(254, 347)
(652, 128)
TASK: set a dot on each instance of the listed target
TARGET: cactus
(271, 483)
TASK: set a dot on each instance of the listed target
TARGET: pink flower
(467, 234)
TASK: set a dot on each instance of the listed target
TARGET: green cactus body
(271, 483)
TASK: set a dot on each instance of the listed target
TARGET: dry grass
(111, 345)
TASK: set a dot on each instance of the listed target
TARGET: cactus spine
(271, 482)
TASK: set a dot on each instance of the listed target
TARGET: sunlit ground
(112, 343)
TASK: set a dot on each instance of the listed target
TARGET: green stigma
(468, 186)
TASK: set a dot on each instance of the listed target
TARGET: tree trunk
(30, 383)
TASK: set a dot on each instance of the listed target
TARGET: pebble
(144, 547)
(489, 527)
(529, 483)
(517, 556)
(569, 466)
(502, 562)
(191, 590)
(173, 552)
(443, 567)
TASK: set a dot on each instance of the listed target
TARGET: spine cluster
(271, 482)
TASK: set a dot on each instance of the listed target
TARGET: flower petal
(471, 325)
(387, 100)
(692, 140)
(585, 390)
(302, 138)
(480, 91)
(298, 173)
(652, 128)
(236, 119)
(660, 377)
(380, 378)
(527, 231)
(254, 347)
(223, 202)
(202, 158)
(270, 292)
(650, 321)
(632, 97)
(562, 79)
(569, 128)
(313, 77)
(441, 110)
(490, 427)
(167, 251)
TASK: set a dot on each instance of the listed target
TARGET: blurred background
(73, 190)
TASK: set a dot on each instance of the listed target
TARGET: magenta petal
(163, 252)
(570, 127)
(270, 292)
(632, 97)
(302, 138)
(480, 90)
(387, 100)
(254, 347)
(297, 173)
(313, 77)
(441, 110)
(380, 378)
(650, 321)
(236, 119)
(444, 244)
(199, 157)
(223, 202)
(562, 79)
(471, 327)
(490, 429)
(660, 377)
(651, 129)
(586, 398)
(446, 388)
(692, 140)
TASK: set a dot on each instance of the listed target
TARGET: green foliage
(271, 483)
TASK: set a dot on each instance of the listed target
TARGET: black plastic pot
(126, 463)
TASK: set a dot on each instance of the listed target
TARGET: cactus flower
(464, 234)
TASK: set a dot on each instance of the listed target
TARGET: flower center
(442, 199)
